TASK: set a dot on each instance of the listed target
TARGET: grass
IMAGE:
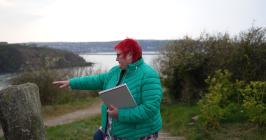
(235, 131)
(176, 119)
(51, 111)
(80, 130)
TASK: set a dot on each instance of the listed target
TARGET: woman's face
(122, 59)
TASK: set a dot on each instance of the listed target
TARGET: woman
(140, 122)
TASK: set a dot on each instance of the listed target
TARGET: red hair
(130, 46)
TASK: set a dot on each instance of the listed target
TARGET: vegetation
(19, 57)
(55, 110)
(51, 94)
(80, 130)
(229, 101)
(225, 77)
(10, 59)
(178, 120)
(177, 117)
(185, 64)
(254, 102)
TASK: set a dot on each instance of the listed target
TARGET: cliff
(21, 57)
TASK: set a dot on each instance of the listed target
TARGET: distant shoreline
(113, 53)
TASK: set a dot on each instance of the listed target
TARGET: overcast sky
(106, 20)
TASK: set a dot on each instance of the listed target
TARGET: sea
(102, 60)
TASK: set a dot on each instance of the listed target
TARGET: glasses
(118, 55)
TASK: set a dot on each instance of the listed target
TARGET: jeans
(99, 135)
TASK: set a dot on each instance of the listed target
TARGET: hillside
(85, 47)
(18, 57)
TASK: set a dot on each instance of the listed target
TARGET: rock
(191, 123)
(20, 113)
(195, 118)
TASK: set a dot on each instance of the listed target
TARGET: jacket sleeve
(92, 82)
(151, 99)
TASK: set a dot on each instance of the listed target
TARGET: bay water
(103, 61)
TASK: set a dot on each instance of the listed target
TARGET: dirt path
(74, 116)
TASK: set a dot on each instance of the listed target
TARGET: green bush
(248, 62)
(180, 65)
(185, 64)
(213, 105)
(228, 101)
(255, 102)
(234, 112)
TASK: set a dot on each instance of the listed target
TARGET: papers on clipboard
(118, 96)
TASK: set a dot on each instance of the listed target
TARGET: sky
(107, 20)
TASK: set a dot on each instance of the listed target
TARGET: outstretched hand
(62, 84)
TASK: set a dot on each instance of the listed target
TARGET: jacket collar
(135, 65)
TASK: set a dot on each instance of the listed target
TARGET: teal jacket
(144, 85)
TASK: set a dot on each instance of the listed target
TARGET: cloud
(96, 20)
(19, 15)
(14, 12)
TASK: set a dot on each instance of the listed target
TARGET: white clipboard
(119, 97)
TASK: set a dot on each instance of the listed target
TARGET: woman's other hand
(112, 111)
(62, 84)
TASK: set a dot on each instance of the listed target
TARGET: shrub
(229, 101)
(213, 104)
(255, 102)
(185, 64)
(181, 69)
(49, 93)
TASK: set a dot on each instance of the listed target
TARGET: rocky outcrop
(18, 57)
(20, 113)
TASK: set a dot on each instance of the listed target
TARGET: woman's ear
(129, 57)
